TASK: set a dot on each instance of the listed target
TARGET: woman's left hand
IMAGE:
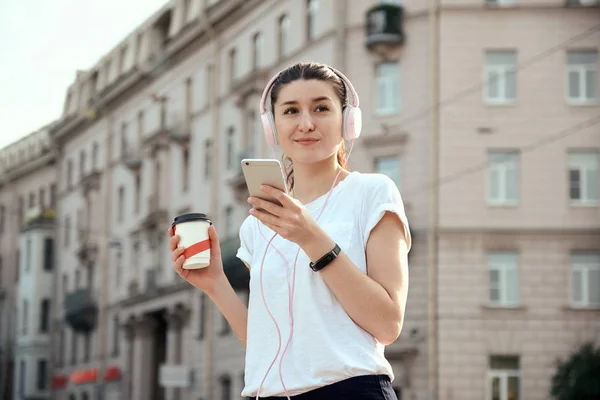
(291, 221)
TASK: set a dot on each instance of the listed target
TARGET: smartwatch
(326, 259)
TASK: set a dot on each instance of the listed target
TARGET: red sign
(59, 381)
(84, 376)
(112, 373)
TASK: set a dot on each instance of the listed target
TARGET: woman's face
(308, 119)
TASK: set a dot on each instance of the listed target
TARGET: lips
(306, 141)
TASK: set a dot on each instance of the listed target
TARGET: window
(207, 159)
(87, 345)
(52, 195)
(25, 317)
(584, 179)
(45, 316)
(95, 149)
(499, 2)
(388, 89)
(232, 65)
(69, 174)
(501, 77)
(230, 146)
(257, 45)
(138, 192)
(284, 36)
(48, 254)
(31, 200)
(582, 76)
(42, 374)
(228, 221)
(503, 272)
(585, 279)
(124, 146)
(22, 373)
(389, 166)
(121, 204)
(1, 274)
(67, 230)
(115, 336)
(2, 218)
(81, 164)
(42, 198)
(312, 9)
(185, 176)
(27, 254)
(201, 318)
(502, 178)
(504, 378)
(253, 130)
(18, 266)
(225, 387)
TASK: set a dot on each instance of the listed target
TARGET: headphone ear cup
(269, 128)
(352, 122)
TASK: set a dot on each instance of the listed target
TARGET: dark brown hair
(308, 71)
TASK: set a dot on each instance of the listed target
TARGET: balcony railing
(81, 310)
(384, 25)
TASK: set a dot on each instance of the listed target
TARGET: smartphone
(258, 171)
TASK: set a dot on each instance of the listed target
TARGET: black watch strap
(326, 259)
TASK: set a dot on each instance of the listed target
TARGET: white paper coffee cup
(193, 233)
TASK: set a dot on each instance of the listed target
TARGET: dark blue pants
(367, 387)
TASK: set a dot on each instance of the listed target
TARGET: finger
(283, 198)
(173, 242)
(266, 205)
(215, 247)
(265, 217)
(170, 231)
(179, 266)
(177, 253)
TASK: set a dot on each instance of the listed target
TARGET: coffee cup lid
(189, 218)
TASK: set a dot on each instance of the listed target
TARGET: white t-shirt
(327, 346)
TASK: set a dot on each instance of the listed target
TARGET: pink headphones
(352, 116)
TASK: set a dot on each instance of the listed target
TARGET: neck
(314, 180)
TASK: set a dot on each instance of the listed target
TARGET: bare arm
(376, 301)
(231, 306)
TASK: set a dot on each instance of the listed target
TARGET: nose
(306, 123)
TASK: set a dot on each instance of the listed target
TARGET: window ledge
(583, 104)
(584, 205)
(590, 308)
(497, 206)
(489, 306)
(492, 104)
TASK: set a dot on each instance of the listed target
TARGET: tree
(578, 378)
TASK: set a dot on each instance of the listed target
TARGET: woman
(316, 333)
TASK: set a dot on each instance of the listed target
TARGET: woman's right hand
(202, 278)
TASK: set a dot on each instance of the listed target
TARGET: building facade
(27, 198)
(505, 241)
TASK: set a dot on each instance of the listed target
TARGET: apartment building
(506, 248)
(27, 198)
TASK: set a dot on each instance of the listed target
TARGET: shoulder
(247, 226)
(373, 185)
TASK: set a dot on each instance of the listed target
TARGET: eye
(290, 110)
(321, 108)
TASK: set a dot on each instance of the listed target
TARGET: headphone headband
(349, 87)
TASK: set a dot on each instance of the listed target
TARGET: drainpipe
(103, 301)
(341, 33)
(214, 193)
(432, 232)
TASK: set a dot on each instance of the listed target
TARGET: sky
(42, 45)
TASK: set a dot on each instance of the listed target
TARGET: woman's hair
(308, 71)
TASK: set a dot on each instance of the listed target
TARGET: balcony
(152, 280)
(156, 214)
(158, 140)
(132, 160)
(2, 293)
(235, 269)
(583, 3)
(87, 248)
(81, 311)
(237, 182)
(384, 26)
(252, 83)
(90, 182)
